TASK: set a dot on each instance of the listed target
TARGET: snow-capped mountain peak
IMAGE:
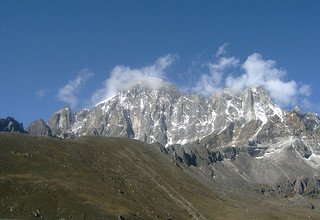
(167, 116)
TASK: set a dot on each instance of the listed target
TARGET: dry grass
(103, 178)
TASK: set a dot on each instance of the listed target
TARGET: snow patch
(182, 142)
(313, 160)
(260, 113)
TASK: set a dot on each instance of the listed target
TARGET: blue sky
(59, 53)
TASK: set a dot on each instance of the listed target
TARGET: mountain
(171, 118)
(235, 140)
(119, 178)
(9, 124)
(166, 116)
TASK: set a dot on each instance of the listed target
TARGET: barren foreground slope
(110, 178)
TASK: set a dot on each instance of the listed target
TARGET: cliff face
(39, 128)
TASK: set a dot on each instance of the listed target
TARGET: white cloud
(257, 72)
(69, 92)
(226, 72)
(123, 78)
(283, 93)
(223, 64)
(212, 82)
(221, 50)
(260, 72)
(253, 72)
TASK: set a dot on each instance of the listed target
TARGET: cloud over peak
(223, 72)
(228, 72)
(124, 77)
(260, 72)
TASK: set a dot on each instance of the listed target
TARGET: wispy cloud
(124, 77)
(213, 81)
(308, 105)
(221, 50)
(41, 93)
(305, 90)
(69, 92)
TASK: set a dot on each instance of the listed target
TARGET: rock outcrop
(39, 128)
(61, 122)
(9, 124)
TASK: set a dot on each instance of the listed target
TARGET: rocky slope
(39, 128)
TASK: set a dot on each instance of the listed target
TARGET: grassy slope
(102, 178)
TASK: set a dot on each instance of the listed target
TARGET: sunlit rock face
(166, 116)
